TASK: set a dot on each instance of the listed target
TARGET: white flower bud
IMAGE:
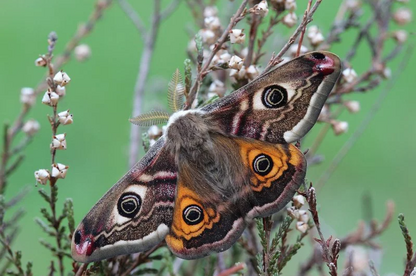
(324, 115)
(339, 127)
(352, 106)
(59, 170)
(237, 36)
(210, 11)
(293, 50)
(359, 258)
(400, 36)
(302, 226)
(252, 72)
(27, 96)
(31, 127)
(260, 8)
(244, 52)
(386, 73)
(212, 23)
(82, 52)
(290, 5)
(298, 201)
(59, 142)
(238, 74)
(50, 98)
(352, 5)
(225, 57)
(40, 62)
(192, 45)
(293, 213)
(402, 16)
(217, 87)
(315, 36)
(65, 118)
(290, 19)
(152, 142)
(42, 176)
(60, 90)
(235, 63)
(154, 132)
(349, 75)
(303, 216)
(207, 36)
(61, 78)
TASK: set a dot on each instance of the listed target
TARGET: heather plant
(223, 54)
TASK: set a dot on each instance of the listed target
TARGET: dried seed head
(402, 16)
(42, 176)
(339, 127)
(27, 96)
(50, 98)
(349, 75)
(352, 106)
(290, 19)
(40, 62)
(31, 127)
(61, 78)
(82, 52)
(235, 63)
(237, 36)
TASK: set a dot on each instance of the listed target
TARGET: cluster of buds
(282, 5)
(339, 127)
(261, 8)
(237, 36)
(301, 216)
(315, 36)
(349, 75)
(59, 142)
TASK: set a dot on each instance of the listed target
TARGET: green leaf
(188, 76)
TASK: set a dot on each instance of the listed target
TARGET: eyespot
(262, 164)
(129, 205)
(318, 55)
(77, 237)
(193, 215)
(274, 96)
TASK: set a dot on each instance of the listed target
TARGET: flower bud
(252, 72)
(61, 78)
(40, 62)
(59, 170)
(238, 74)
(31, 127)
(293, 213)
(65, 118)
(210, 11)
(235, 63)
(339, 127)
(60, 90)
(217, 87)
(402, 16)
(315, 36)
(82, 52)
(154, 132)
(212, 23)
(298, 201)
(290, 5)
(207, 36)
(290, 19)
(225, 57)
(302, 226)
(260, 8)
(50, 98)
(293, 50)
(352, 106)
(59, 142)
(27, 96)
(400, 36)
(237, 36)
(303, 216)
(42, 176)
(349, 75)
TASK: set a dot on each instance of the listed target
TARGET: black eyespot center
(77, 237)
(274, 96)
(129, 205)
(318, 55)
(262, 164)
(193, 215)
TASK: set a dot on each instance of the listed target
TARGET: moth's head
(129, 218)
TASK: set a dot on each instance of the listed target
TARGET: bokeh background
(381, 163)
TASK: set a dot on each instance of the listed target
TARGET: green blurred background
(382, 162)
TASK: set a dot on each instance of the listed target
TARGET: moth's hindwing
(282, 105)
(134, 215)
(203, 223)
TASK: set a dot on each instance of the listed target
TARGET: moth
(214, 169)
